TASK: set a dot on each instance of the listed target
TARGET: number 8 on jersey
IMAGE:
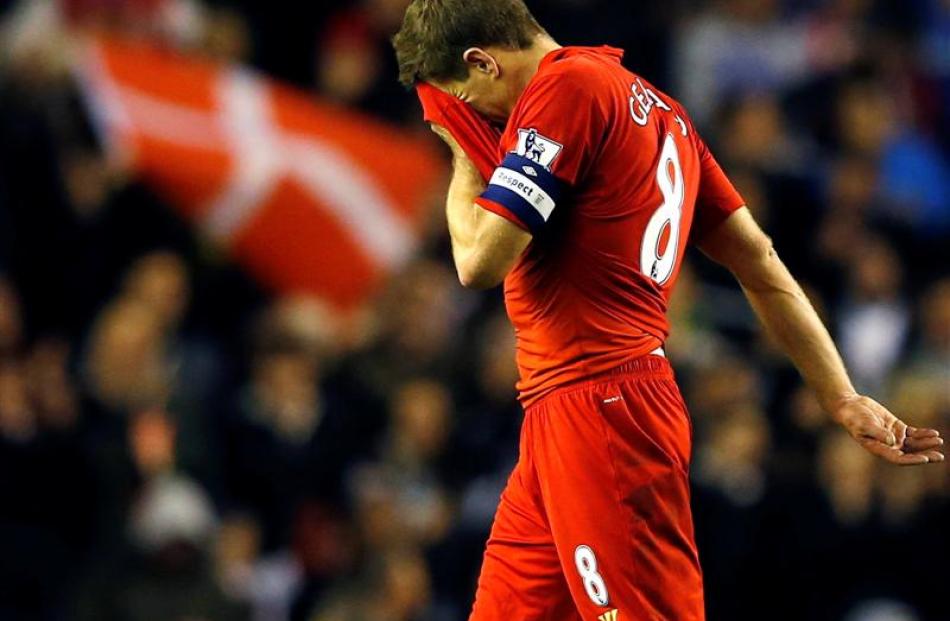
(658, 252)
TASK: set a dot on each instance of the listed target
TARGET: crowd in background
(176, 444)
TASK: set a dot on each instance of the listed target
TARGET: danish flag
(308, 197)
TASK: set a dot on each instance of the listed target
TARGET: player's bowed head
(482, 52)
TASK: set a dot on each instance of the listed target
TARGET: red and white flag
(308, 197)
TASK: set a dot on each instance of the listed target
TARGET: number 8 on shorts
(593, 582)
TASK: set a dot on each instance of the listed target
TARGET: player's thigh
(521, 577)
(523, 582)
(614, 463)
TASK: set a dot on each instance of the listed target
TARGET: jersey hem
(645, 364)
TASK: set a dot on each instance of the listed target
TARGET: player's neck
(531, 58)
(520, 67)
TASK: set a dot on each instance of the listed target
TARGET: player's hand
(444, 134)
(465, 169)
(885, 435)
(461, 127)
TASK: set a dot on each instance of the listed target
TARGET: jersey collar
(571, 51)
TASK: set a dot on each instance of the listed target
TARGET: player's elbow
(485, 264)
(760, 269)
(479, 275)
(742, 247)
(754, 253)
(479, 280)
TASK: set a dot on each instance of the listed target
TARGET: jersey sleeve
(552, 138)
(717, 198)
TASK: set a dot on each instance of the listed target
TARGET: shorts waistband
(654, 364)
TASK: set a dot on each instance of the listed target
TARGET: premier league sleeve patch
(537, 148)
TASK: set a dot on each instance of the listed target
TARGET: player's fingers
(895, 456)
(935, 457)
(872, 430)
(900, 432)
(909, 459)
(914, 432)
(917, 445)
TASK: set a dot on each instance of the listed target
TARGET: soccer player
(600, 181)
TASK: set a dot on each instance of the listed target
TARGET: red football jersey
(610, 176)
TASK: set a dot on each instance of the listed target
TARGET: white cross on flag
(308, 197)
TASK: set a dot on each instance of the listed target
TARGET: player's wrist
(836, 403)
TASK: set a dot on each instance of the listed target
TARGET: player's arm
(560, 125)
(742, 247)
(485, 246)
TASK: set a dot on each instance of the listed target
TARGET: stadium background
(178, 443)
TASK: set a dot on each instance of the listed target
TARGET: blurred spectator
(418, 318)
(165, 572)
(745, 46)
(127, 364)
(399, 498)
(152, 441)
(486, 430)
(882, 610)
(933, 50)
(267, 584)
(226, 36)
(396, 588)
(932, 352)
(693, 342)
(160, 282)
(11, 325)
(913, 173)
(866, 115)
(17, 419)
(45, 518)
(733, 460)
(51, 386)
(758, 137)
(851, 198)
(285, 439)
(355, 62)
(851, 187)
(718, 387)
(875, 318)
(845, 474)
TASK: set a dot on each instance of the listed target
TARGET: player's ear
(482, 62)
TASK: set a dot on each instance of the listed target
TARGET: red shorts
(596, 516)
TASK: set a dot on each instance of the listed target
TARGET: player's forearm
(791, 320)
(485, 246)
(460, 210)
(781, 305)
